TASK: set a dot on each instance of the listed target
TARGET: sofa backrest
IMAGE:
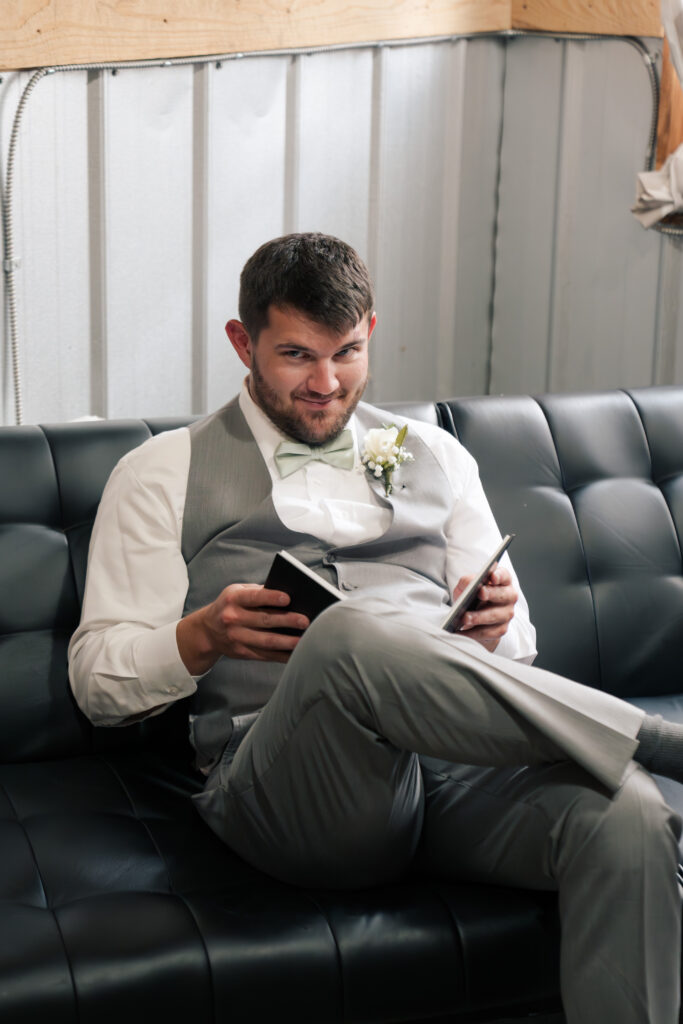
(591, 484)
(52, 480)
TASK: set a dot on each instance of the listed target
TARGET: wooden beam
(670, 119)
(36, 33)
(602, 17)
(41, 32)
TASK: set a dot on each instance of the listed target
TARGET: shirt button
(173, 690)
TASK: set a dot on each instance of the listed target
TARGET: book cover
(310, 594)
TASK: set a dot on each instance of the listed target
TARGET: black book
(309, 593)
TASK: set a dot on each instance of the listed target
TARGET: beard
(314, 429)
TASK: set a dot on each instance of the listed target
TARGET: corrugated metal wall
(487, 181)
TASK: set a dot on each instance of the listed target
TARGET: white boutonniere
(383, 451)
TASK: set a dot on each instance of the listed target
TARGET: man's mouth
(318, 403)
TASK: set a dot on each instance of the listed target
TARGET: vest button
(329, 559)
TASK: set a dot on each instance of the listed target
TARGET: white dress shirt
(123, 658)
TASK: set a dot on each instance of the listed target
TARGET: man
(376, 738)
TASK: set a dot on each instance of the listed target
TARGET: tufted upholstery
(118, 904)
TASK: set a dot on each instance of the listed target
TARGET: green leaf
(402, 434)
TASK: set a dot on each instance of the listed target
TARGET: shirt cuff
(516, 648)
(160, 668)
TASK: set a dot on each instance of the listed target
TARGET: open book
(309, 593)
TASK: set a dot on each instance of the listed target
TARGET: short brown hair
(318, 275)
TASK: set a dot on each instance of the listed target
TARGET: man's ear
(240, 340)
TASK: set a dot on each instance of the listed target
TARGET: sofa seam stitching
(48, 907)
(657, 483)
(340, 964)
(140, 820)
(583, 546)
(48, 631)
(60, 497)
(67, 957)
(212, 988)
(437, 890)
(21, 824)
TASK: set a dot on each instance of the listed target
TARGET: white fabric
(659, 193)
(123, 658)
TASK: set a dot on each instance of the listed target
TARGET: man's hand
(489, 621)
(238, 624)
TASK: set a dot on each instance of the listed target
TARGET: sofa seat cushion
(119, 904)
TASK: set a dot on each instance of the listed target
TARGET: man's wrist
(195, 644)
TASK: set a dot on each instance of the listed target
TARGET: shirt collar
(266, 434)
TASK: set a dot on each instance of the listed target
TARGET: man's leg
(612, 856)
(325, 788)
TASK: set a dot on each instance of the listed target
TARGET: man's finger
(498, 595)
(255, 596)
(278, 620)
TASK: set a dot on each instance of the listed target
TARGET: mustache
(317, 394)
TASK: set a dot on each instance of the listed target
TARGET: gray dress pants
(388, 740)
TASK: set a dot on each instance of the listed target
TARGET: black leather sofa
(118, 905)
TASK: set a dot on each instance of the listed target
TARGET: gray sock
(660, 747)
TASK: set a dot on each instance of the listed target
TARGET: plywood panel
(246, 194)
(477, 180)
(448, 352)
(51, 235)
(668, 353)
(606, 265)
(42, 32)
(333, 126)
(410, 133)
(526, 219)
(147, 240)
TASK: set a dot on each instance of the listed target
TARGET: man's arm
(501, 623)
(125, 660)
(238, 624)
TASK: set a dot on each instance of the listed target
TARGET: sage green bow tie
(292, 455)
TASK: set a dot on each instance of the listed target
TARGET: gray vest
(231, 532)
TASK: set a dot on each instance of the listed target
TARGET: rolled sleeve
(472, 534)
(124, 662)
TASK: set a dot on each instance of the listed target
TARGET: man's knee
(341, 656)
(344, 634)
(620, 832)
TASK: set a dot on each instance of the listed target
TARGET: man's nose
(323, 378)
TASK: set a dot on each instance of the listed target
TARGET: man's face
(307, 378)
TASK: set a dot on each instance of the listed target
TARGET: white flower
(379, 444)
(383, 451)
